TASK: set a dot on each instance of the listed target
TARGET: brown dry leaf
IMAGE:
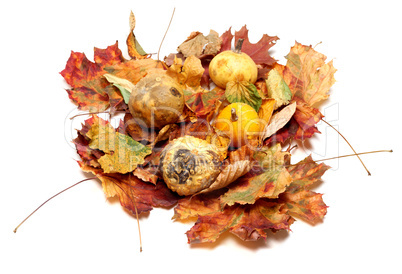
(135, 70)
(145, 175)
(133, 47)
(214, 43)
(130, 127)
(132, 21)
(188, 115)
(187, 74)
(279, 120)
(164, 134)
(197, 44)
(238, 164)
(229, 174)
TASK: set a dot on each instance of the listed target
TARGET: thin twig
(349, 155)
(344, 156)
(136, 212)
(15, 230)
(160, 46)
(368, 172)
(89, 113)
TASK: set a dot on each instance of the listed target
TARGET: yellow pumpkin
(232, 66)
(241, 122)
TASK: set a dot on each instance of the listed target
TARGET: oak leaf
(227, 38)
(258, 51)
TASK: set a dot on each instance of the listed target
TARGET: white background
(81, 232)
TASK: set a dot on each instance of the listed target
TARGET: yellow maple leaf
(122, 153)
(307, 75)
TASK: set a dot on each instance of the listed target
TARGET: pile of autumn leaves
(266, 191)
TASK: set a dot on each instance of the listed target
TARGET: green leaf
(278, 89)
(123, 85)
(243, 92)
(122, 153)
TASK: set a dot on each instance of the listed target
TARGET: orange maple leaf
(298, 199)
(248, 222)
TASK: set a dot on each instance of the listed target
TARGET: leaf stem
(239, 45)
(160, 46)
(136, 214)
(368, 172)
(349, 155)
(233, 116)
(344, 156)
(15, 230)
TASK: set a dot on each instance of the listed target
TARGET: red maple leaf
(258, 51)
(90, 91)
(226, 37)
(134, 194)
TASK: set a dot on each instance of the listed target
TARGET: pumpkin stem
(234, 115)
(239, 45)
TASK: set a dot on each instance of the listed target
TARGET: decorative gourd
(156, 100)
(189, 165)
(240, 121)
(232, 66)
